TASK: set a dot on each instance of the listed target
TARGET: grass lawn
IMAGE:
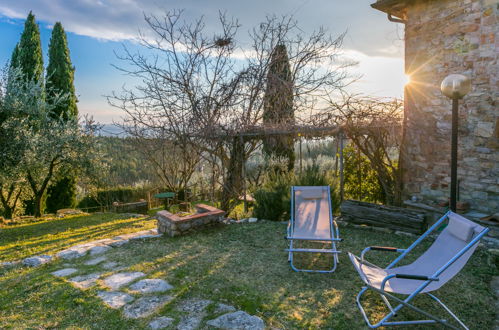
(240, 265)
(50, 236)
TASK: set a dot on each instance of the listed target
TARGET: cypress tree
(278, 106)
(60, 76)
(60, 81)
(28, 53)
(14, 60)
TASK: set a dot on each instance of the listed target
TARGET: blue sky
(98, 28)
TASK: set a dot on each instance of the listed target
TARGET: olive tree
(34, 145)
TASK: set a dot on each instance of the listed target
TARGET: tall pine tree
(27, 55)
(278, 107)
(60, 81)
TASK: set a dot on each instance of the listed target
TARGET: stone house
(444, 37)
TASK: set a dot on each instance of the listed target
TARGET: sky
(97, 29)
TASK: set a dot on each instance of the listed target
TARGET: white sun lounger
(312, 220)
(444, 259)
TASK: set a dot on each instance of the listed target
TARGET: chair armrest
(416, 277)
(408, 277)
(379, 248)
(383, 248)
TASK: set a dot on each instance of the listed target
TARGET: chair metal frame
(427, 280)
(334, 231)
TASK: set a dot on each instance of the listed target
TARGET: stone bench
(173, 225)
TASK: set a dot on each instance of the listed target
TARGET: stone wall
(173, 225)
(444, 37)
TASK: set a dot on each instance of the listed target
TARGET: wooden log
(395, 218)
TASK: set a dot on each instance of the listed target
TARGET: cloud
(368, 30)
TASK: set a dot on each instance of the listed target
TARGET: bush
(62, 194)
(273, 200)
(105, 197)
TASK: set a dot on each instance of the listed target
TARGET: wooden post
(342, 189)
(243, 170)
(301, 158)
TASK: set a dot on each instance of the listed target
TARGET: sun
(407, 79)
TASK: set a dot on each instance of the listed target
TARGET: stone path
(150, 286)
(116, 281)
(237, 320)
(64, 272)
(190, 312)
(142, 297)
(85, 281)
(115, 299)
(145, 306)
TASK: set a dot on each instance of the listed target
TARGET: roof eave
(396, 8)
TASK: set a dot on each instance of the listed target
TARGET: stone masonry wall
(173, 225)
(444, 37)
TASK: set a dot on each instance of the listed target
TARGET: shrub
(61, 195)
(105, 197)
(273, 199)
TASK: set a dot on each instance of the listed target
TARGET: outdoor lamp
(454, 86)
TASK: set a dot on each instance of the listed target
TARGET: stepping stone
(37, 260)
(150, 285)
(72, 253)
(99, 249)
(190, 322)
(223, 308)
(95, 261)
(145, 236)
(119, 242)
(115, 299)
(85, 281)
(237, 320)
(110, 265)
(116, 281)
(161, 322)
(145, 306)
(193, 305)
(64, 272)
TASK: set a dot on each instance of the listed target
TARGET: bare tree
(202, 91)
(374, 125)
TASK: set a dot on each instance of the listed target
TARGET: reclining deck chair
(440, 263)
(312, 220)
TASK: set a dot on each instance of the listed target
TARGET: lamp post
(454, 86)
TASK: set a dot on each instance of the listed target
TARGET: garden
(239, 265)
(188, 219)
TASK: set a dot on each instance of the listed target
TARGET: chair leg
(385, 320)
(448, 311)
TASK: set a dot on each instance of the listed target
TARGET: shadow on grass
(51, 236)
(244, 266)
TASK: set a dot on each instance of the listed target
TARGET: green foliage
(28, 53)
(361, 181)
(127, 166)
(62, 194)
(273, 199)
(60, 76)
(278, 106)
(60, 81)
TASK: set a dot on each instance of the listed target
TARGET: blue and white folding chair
(443, 260)
(312, 220)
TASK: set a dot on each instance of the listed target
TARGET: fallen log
(395, 218)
